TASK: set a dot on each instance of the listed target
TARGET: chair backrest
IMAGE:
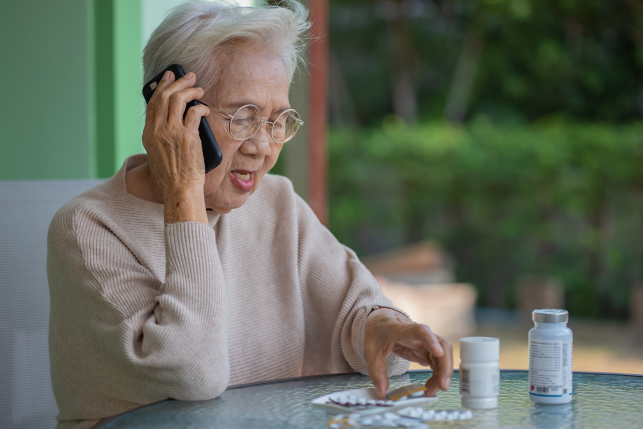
(26, 209)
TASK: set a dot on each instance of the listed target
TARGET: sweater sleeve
(339, 293)
(121, 337)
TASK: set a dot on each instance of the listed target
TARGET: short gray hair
(194, 32)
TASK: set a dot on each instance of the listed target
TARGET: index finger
(442, 370)
(376, 367)
(154, 100)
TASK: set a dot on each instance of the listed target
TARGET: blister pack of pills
(366, 401)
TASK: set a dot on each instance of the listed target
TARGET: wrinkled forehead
(250, 74)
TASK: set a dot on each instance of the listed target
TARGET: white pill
(380, 402)
(427, 415)
(454, 415)
(440, 415)
(389, 402)
(334, 426)
(466, 415)
(361, 401)
(370, 402)
(367, 421)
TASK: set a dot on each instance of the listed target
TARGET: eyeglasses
(246, 121)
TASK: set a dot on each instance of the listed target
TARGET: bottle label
(480, 381)
(550, 367)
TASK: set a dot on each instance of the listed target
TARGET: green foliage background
(506, 201)
(537, 168)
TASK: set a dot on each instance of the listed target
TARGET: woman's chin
(229, 201)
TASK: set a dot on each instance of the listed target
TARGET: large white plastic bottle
(550, 358)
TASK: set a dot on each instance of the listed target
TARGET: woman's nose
(259, 144)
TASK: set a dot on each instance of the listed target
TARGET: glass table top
(600, 401)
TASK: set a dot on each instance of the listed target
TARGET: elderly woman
(167, 282)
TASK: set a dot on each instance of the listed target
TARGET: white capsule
(370, 402)
(440, 415)
(389, 402)
(454, 415)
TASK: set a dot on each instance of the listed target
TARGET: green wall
(71, 105)
(45, 113)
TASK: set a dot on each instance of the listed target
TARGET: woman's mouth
(243, 180)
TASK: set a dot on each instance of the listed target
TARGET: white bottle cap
(479, 349)
(550, 316)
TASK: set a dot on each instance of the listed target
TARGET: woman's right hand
(174, 148)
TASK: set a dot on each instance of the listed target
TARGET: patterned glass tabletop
(600, 401)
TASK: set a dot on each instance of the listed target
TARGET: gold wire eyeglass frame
(292, 112)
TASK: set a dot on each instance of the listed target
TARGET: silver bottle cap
(550, 316)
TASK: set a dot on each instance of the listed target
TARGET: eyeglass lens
(246, 122)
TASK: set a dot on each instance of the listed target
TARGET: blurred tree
(508, 60)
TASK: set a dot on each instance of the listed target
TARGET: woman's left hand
(388, 331)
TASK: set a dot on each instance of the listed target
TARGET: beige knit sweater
(142, 311)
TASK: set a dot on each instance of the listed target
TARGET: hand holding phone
(211, 152)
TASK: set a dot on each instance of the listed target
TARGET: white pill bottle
(550, 358)
(479, 372)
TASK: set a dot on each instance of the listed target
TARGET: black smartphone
(211, 151)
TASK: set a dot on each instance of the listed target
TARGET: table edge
(107, 420)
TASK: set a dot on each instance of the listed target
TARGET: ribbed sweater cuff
(191, 250)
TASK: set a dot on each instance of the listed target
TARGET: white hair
(195, 32)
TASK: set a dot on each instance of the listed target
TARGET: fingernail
(189, 75)
(166, 75)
